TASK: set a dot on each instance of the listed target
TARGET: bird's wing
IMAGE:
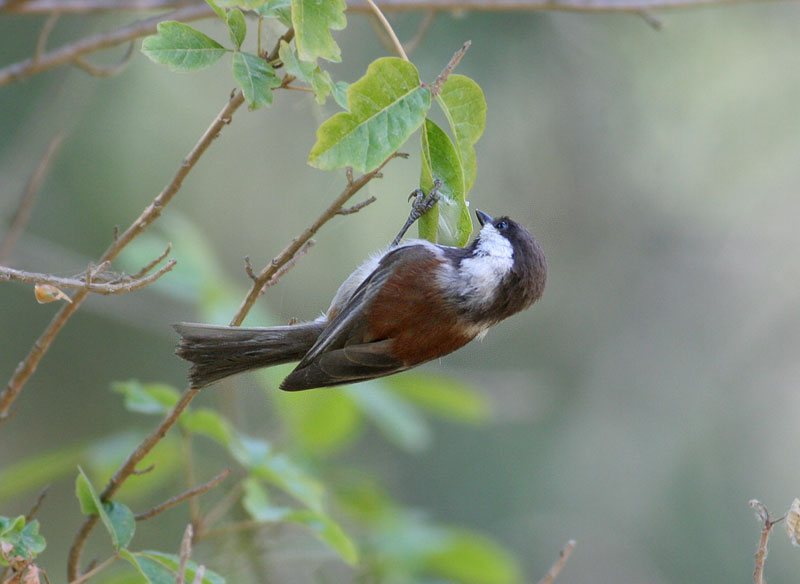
(346, 365)
(348, 327)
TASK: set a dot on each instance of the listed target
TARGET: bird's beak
(483, 217)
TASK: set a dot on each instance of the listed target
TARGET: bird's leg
(421, 205)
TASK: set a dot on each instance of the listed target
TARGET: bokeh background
(637, 408)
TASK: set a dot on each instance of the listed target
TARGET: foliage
(301, 482)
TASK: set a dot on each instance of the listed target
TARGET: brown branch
(124, 285)
(398, 47)
(288, 265)
(357, 207)
(150, 214)
(70, 53)
(109, 70)
(23, 212)
(96, 570)
(44, 34)
(185, 552)
(361, 6)
(149, 442)
(767, 523)
(559, 564)
(172, 501)
(436, 87)
(37, 505)
(297, 243)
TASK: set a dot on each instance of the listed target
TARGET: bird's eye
(501, 224)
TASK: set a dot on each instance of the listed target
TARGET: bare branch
(23, 213)
(109, 70)
(288, 265)
(559, 564)
(47, 28)
(762, 514)
(172, 501)
(37, 505)
(143, 471)
(121, 286)
(96, 570)
(357, 207)
(389, 30)
(297, 243)
(436, 88)
(69, 53)
(186, 551)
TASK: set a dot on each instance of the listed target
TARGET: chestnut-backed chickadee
(415, 302)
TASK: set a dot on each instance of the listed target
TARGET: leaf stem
(397, 44)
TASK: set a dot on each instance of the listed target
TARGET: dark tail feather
(219, 351)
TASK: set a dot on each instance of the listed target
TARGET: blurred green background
(636, 408)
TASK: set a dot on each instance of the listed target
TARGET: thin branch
(361, 6)
(153, 211)
(23, 212)
(200, 575)
(297, 243)
(141, 273)
(185, 552)
(436, 87)
(389, 30)
(149, 442)
(223, 505)
(37, 505)
(357, 207)
(96, 570)
(69, 53)
(288, 265)
(172, 501)
(108, 70)
(125, 283)
(559, 564)
(767, 523)
(44, 34)
(144, 471)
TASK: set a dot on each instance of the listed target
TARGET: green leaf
(449, 222)
(182, 47)
(237, 27)
(256, 503)
(385, 107)
(471, 558)
(313, 21)
(220, 11)
(309, 73)
(464, 107)
(24, 538)
(117, 518)
(322, 422)
(395, 419)
(256, 78)
(159, 567)
(441, 395)
(279, 9)
(279, 470)
(147, 398)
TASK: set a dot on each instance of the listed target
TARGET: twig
(109, 70)
(141, 273)
(390, 31)
(37, 505)
(651, 19)
(436, 87)
(357, 207)
(44, 34)
(172, 501)
(186, 551)
(96, 570)
(297, 243)
(223, 505)
(26, 368)
(126, 284)
(200, 575)
(143, 471)
(69, 53)
(23, 212)
(149, 442)
(762, 514)
(559, 564)
(288, 265)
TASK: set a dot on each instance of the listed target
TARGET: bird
(412, 303)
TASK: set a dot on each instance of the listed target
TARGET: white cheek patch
(481, 274)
